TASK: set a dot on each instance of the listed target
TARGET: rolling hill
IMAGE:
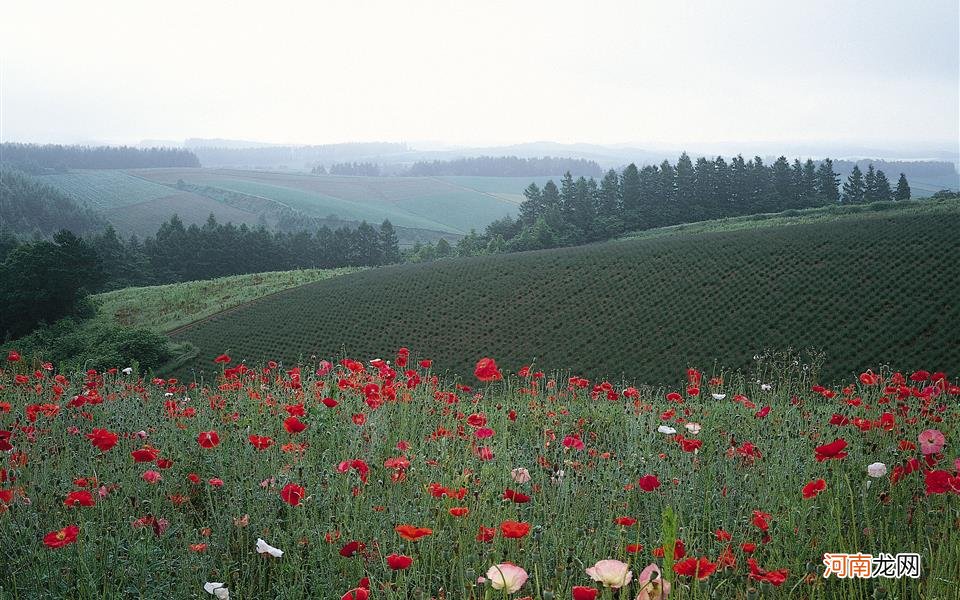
(422, 209)
(412, 202)
(875, 286)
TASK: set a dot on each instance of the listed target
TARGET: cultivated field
(363, 480)
(423, 208)
(873, 287)
(416, 202)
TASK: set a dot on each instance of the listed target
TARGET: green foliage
(163, 536)
(841, 279)
(44, 281)
(80, 345)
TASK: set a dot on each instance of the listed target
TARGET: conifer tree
(903, 189)
(854, 189)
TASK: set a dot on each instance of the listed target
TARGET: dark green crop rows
(868, 289)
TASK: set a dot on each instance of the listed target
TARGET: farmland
(872, 287)
(360, 481)
(422, 208)
(166, 307)
(414, 202)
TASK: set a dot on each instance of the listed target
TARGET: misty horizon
(873, 75)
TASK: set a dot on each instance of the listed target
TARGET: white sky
(880, 72)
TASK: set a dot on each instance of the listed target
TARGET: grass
(164, 308)
(870, 287)
(192, 514)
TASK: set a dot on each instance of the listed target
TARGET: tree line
(36, 158)
(187, 253)
(43, 280)
(367, 169)
(505, 166)
(582, 210)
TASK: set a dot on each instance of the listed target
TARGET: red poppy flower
(102, 439)
(459, 511)
(292, 494)
(679, 550)
(411, 532)
(145, 454)
(13, 356)
(763, 412)
(222, 359)
(937, 482)
(81, 498)
(517, 497)
(748, 547)
(813, 488)
(208, 439)
(293, 425)
(352, 548)
(486, 534)
(761, 520)
(625, 521)
(260, 442)
(514, 529)
(357, 594)
(700, 568)
(839, 420)
(399, 562)
(832, 450)
(61, 537)
(723, 536)
(486, 370)
(648, 483)
(775, 578)
(581, 592)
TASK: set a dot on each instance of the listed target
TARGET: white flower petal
(666, 429)
(265, 548)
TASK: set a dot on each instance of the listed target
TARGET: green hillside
(873, 287)
(414, 202)
(165, 307)
(134, 205)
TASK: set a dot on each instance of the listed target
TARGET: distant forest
(911, 168)
(367, 169)
(35, 158)
(294, 157)
(506, 166)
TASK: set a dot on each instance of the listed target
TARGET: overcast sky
(482, 72)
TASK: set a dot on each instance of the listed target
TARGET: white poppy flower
(693, 428)
(666, 429)
(265, 548)
(127, 371)
(877, 469)
(719, 396)
(766, 387)
(217, 589)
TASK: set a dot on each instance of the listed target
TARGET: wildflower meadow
(380, 479)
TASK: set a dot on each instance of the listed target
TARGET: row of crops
(106, 189)
(867, 289)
